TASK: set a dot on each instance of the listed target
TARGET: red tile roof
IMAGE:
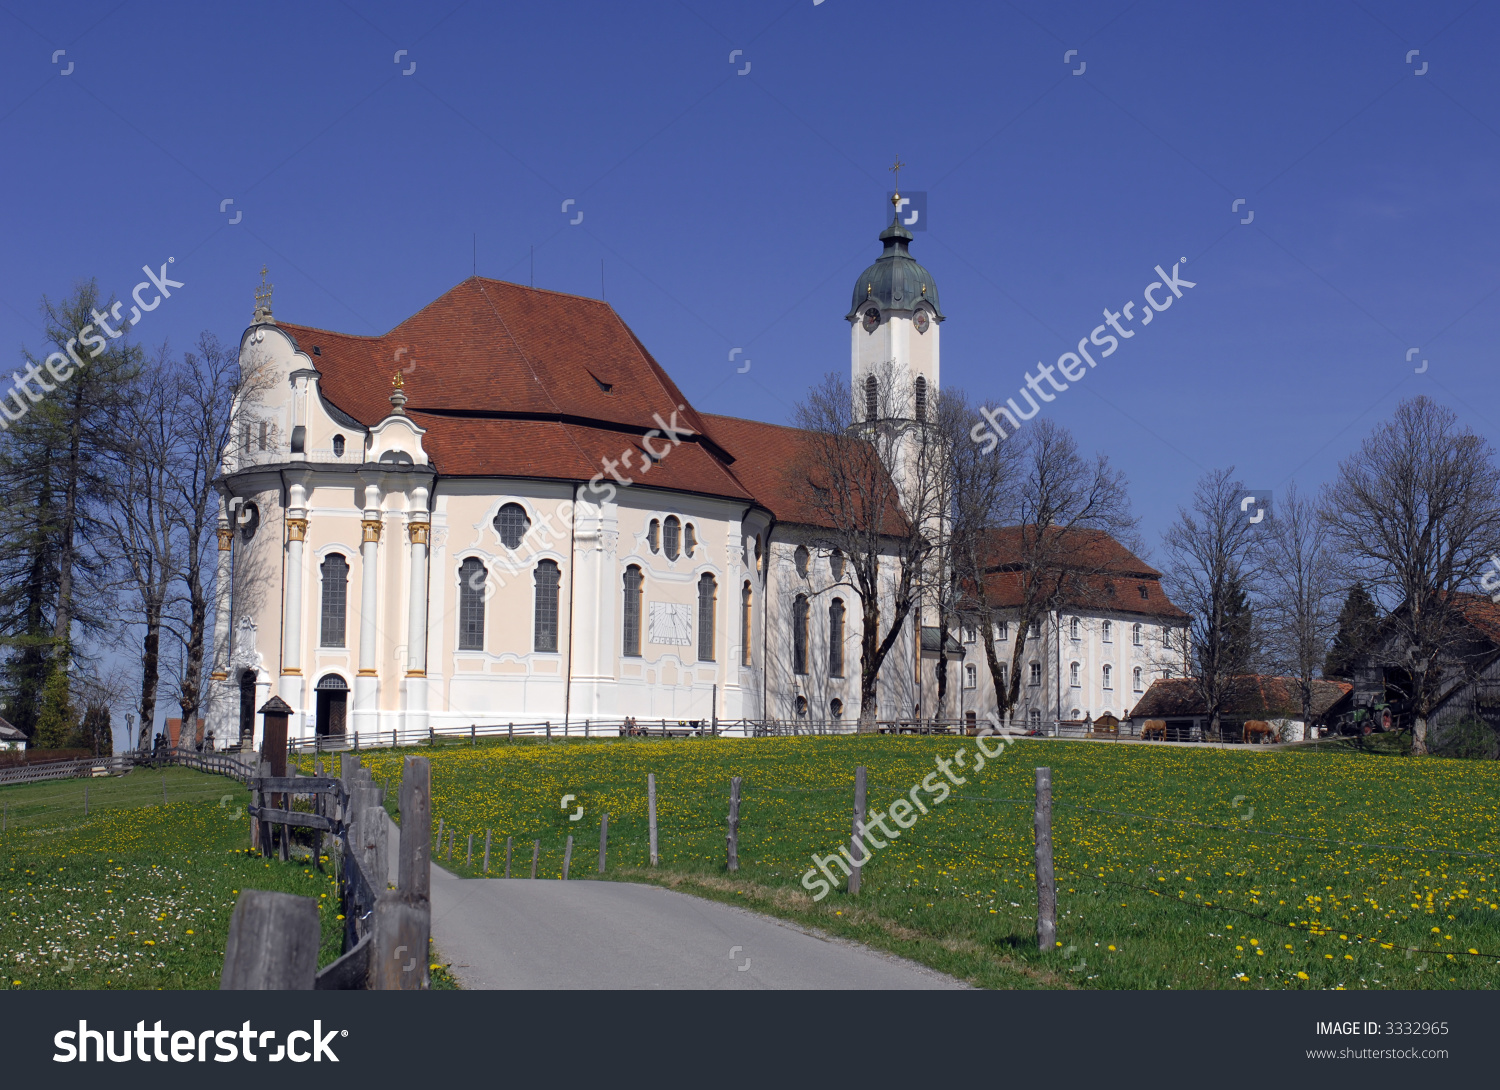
(1254, 695)
(1111, 576)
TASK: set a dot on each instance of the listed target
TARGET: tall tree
(1301, 592)
(1065, 505)
(1416, 513)
(1357, 623)
(874, 485)
(1211, 567)
(207, 385)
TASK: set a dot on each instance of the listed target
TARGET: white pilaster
(418, 530)
(291, 626)
(367, 681)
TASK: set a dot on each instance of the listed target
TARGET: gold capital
(371, 528)
(226, 539)
(418, 532)
(219, 675)
(296, 529)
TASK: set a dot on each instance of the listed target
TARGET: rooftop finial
(895, 169)
(398, 395)
(263, 301)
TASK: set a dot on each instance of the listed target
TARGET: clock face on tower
(871, 320)
(920, 321)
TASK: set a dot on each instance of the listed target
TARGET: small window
(1035, 717)
(970, 635)
(802, 706)
(1072, 629)
(1077, 714)
(544, 628)
(471, 582)
(836, 564)
(800, 558)
(1036, 629)
(1002, 630)
(1135, 677)
(1143, 591)
(264, 428)
(759, 562)
(671, 537)
(1036, 673)
(1108, 672)
(1135, 634)
(631, 637)
(1073, 675)
(836, 638)
(338, 446)
(799, 634)
(921, 398)
(872, 398)
(512, 524)
(836, 708)
(971, 677)
(689, 539)
(1109, 632)
(245, 446)
(708, 602)
(1004, 674)
(653, 536)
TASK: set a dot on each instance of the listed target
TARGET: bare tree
(1064, 506)
(141, 519)
(1416, 512)
(1211, 570)
(1301, 592)
(982, 488)
(872, 479)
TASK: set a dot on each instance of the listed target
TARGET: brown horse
(1257, 729)
(1156, 728)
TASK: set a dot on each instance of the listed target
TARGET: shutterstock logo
(187, 1046)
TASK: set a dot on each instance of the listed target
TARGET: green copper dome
(896, 281)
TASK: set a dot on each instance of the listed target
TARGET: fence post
(471, 734)
(486, 851)
(507, 856)
(567, 857)
(370, 848)
(536, 851)
(603, 839)
(549, 730)
(1046, 886)
(273, 943)
(400, 926)
(469, 859)
(651, 809)
(415, 874)
(857, 862)
(733, 840)
(393, 738)
(510, 730)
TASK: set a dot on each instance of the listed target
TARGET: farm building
(1257, 696)
(11, 738)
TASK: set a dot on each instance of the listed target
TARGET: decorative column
(417, 531)
(217, 713)
(367, 681)
(291, 624)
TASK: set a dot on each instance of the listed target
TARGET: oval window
(338, 446)
(511, 524)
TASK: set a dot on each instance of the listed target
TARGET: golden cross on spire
(895, 169)
(263, 294)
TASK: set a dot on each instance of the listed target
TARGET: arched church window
(671, 537)
(544, 627)
(511, 524)
(746, 616)
(800, 559)
(708, 601)
(836, 564)
(631, 642)
(921, 398)
(872, 398)
(471, 581)
(689, 539)
(799, 634)
(338, 446)
(836, 638)
(653, 535)
(335, 598)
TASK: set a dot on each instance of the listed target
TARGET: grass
(1177, 867)
(137, 894)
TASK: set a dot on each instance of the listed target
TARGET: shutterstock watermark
(58, 365)
(1070, 364)
(905, 811)
(86, 1045)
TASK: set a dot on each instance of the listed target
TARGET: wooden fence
(118, 764)
(274, 938)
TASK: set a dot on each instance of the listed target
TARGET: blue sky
(735, 211)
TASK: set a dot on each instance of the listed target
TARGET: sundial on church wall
(670, 623)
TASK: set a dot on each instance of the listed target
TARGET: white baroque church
(505, 511)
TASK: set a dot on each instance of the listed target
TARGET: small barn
(11, 738)
(1255, 696)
